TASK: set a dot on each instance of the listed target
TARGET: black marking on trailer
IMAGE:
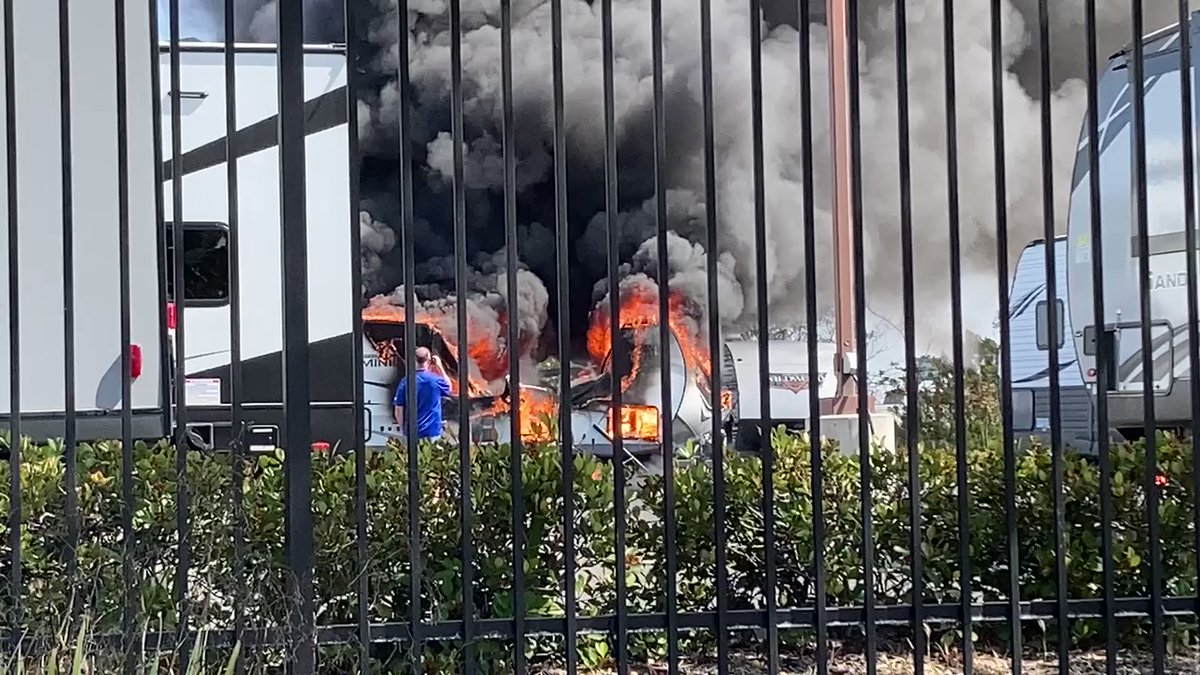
(1026, 301)
(320, 114)
(1120, 110)
(331, 372)
(1131, 368)
(1045, 372)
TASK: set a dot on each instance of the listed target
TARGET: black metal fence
(809, 545)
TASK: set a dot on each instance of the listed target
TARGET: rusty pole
(846, 400)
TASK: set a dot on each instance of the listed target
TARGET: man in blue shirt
(431, 389)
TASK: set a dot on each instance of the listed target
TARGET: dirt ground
(1083, 663)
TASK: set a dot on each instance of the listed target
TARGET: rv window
(1022, 410)
(205, 264)
(1043, 327)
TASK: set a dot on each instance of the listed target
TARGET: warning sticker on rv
(202, 391)
(793, 382)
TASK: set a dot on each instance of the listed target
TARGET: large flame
(537, 409)
(489, 359)
(638, 313)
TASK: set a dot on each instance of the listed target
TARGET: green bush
(98, 585)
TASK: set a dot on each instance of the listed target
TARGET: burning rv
(592, 411)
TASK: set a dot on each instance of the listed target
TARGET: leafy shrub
(98, 588)
(98, 584)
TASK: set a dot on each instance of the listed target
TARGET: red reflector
(320, 446)
(135, 361)
(170, 316)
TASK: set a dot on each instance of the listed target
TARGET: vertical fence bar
(166, 360)
(664, 341)
(182, 497)
(14, 333)
(612, 227)
(1189, 220)
(562, 241)
(860, 320)
(1053, 326)
(514, 357)
(1140, 213)
(764, 326)
(237, 442)
(714, 334)
(362, 556)
(464, 403)
(296, 349)
(130, 608)
(412, 440)
(821, 621)
(912, 414)
(70, 430)
(999, 154)
(1103, 345)
(956, 320)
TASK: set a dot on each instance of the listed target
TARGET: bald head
(422, 356)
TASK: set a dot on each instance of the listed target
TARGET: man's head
(422, 357)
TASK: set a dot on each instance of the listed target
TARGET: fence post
(14, 332)
(297, 420)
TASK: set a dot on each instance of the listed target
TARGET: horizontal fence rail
(386, 337)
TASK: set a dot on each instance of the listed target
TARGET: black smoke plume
(426, 30)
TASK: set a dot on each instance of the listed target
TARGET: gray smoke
(378, 240)
(428, 47)
(686, 280)
(486, 291)
(428, 43)
(687, 276)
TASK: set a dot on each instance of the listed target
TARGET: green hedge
(98, 586)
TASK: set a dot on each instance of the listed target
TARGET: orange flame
(639, 422)
(537, 408)
(639, 310)
(489, 358)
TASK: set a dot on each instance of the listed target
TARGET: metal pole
(15, 582)
(296, 348)
(843, 209)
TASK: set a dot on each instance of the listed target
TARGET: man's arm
(398, 414)
(444, 380)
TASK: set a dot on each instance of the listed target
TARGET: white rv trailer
(790, 385)
(1121, 282)
(94, 179)
(1030, 344)
(205, 209)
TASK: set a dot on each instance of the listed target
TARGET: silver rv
(1120, 283)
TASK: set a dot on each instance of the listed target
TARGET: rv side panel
(94, 183)
(1121, 279)
(205, 211)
